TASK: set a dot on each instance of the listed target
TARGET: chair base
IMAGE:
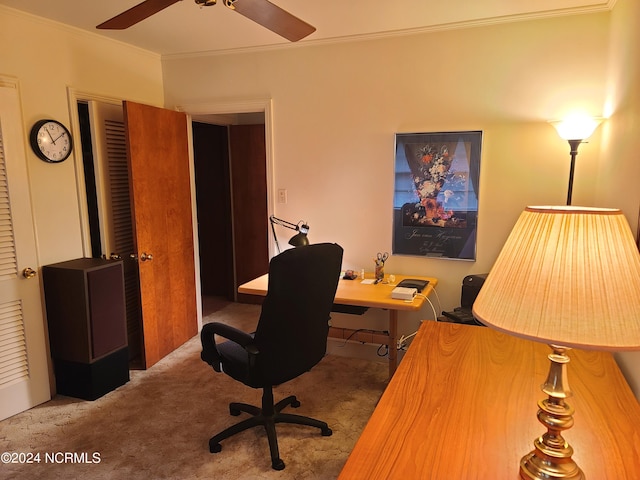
(267, 416)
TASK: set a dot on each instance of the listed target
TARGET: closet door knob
(146, 257)
(29, 272)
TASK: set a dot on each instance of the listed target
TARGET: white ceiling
(186, 27)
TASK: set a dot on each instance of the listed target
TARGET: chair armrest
(230, 333)
(210, 352)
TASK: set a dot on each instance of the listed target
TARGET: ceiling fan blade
(136, 14)
(272, 17)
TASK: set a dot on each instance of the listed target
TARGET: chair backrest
(294, 323)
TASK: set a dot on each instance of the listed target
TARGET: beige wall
(47, 59)
(336, 108)
(620, 163)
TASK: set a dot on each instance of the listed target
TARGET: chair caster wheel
(277, 464)
(327, 432)
(215, 447)
(295, 403)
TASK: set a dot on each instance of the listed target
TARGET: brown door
(249, 194)
(158, 156)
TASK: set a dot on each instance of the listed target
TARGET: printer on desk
(471, 285)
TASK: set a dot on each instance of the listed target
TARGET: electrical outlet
(282, 195)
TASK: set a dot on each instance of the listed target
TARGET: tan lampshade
(568, 276)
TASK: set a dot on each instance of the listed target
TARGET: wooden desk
(355, 293)
(463, 404)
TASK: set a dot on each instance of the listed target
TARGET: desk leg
(393, 342)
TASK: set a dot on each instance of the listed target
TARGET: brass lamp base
(551, 457)
(533, 467)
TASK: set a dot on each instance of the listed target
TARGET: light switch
(282, 195)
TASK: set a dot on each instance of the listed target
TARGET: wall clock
(51, 141)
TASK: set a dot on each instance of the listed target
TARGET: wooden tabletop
(463, 402)
(356, 293)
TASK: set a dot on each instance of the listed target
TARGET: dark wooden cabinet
(86, 316)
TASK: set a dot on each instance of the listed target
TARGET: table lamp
(299, 239)
(568, 277)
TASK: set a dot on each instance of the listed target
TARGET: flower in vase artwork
(436, 193)
(439, 188)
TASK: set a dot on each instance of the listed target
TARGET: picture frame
(435, 205)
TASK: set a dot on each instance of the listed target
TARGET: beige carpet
(158, 425)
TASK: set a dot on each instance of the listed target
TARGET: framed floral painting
(435, 205)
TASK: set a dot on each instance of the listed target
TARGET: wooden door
(160, 183)
(249, 200)
(24, 376)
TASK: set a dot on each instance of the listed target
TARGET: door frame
(230, 107)
(221, 107)
(74, 96)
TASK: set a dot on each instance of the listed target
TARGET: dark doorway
(213, 200)
(231, 196)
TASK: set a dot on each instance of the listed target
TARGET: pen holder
(379, 270)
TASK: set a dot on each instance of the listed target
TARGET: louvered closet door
(114, 207)
(24, 378)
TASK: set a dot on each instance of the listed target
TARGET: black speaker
(471, 285)
(91, 381)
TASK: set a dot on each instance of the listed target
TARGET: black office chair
(290, 339)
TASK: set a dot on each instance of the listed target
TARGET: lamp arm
(273, 229)
(278, 221)
(300, 227)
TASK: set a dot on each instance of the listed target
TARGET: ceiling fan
(262, 12)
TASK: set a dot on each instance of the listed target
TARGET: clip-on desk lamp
(299, 239)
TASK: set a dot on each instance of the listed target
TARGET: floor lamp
(568, 277)
(575, 130)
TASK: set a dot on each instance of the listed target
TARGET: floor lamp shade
(568, 276)
(576, 128)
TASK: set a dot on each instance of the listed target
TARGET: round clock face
(51, 141)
